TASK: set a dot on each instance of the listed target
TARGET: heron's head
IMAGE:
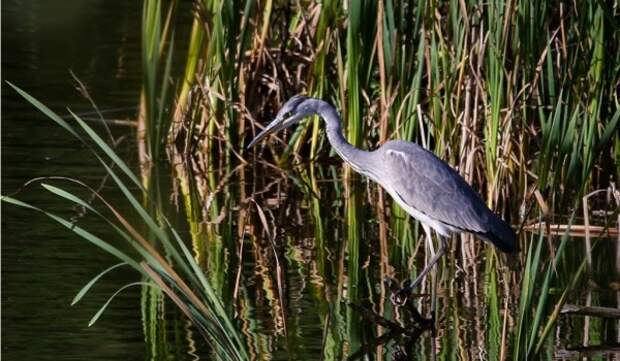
(293, 111)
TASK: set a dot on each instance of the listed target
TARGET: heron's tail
(500, 235)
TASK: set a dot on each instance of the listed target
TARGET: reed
(471, 80)
(520, 96)
(475, 81)
(502, 90)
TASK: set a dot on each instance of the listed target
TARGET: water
(44, 266)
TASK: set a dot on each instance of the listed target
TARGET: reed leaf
(98, 314)
(92, 282)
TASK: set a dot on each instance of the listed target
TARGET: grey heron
(425, 186)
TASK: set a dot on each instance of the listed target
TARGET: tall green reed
(502, 90)
(471, 79)
(157, 49)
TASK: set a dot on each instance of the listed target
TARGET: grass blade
(92, 282)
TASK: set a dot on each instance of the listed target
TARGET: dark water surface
(44, 265)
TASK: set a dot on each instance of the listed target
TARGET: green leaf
(134, 243)
(610, 129)
(64, 194)
(80, 232)
(105, 305)
(90, 284)
(45, 110)
(103, 145)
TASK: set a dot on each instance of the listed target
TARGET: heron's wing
(429, 185)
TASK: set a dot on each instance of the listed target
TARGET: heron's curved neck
(355, 157)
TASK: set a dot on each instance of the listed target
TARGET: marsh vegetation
(263, 250)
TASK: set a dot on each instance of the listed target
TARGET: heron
(425, 186)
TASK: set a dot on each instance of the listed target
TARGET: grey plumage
(424, 185)
(424, 182)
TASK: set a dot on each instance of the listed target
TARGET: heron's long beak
(274, 126)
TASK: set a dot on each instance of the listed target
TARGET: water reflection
(404, 332)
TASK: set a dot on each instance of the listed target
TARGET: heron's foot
(400, 295)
